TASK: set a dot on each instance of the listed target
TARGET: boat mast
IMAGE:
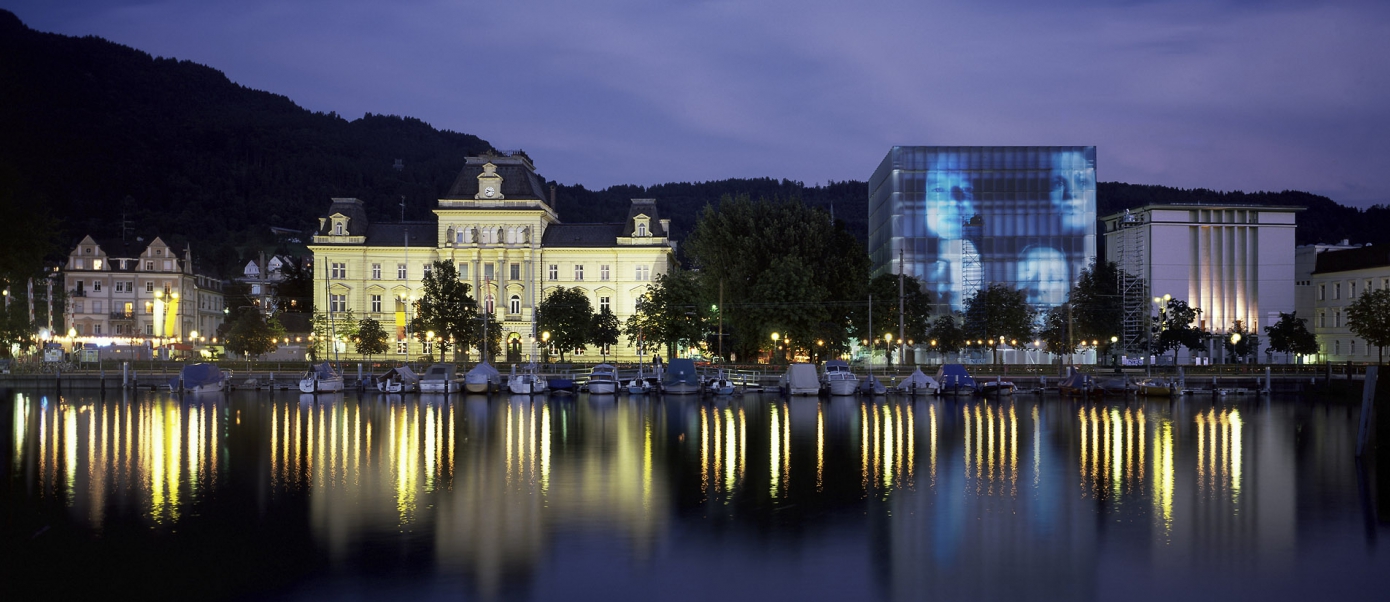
(902, 331)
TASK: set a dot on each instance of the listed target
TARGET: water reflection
(1013, 498)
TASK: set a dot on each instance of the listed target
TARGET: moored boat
(1155, 387)
(528, 381)
(870, 385)
(639, 385)
(997, 387)
(440, 378)
(400, 379)
(918, 383)
(603, 380)
(482, 378)
(680, 377)
(719, 385)
(800, 379)
(200, 378)
(321, 379)
(1077, 383)
(837, 379)
(953, 379)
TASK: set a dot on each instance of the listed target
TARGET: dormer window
(641, 229)
(337, 228)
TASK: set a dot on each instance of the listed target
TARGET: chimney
(665, 227)
(552, 197)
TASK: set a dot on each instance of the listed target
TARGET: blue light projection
(965, 217)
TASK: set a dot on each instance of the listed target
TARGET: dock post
(125, 375)
(1269, 385)
(59, 380)
(1368, 398)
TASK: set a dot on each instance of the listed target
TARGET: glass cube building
(964, 217)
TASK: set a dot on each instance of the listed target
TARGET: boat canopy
(197, 375)
(1077, 380)
(402, 373)
(607, 370)
(681, 370)
(485, 369)
(324, 371)
(836, 366)
(440, 372)
(917, 380)
(802, 376)
(954, 375)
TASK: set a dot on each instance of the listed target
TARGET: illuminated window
(149, 307)
(166, 289)
(644, 272)
(96, 264)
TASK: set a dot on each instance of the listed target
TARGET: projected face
(1068, 195)
(1043, 275)
(950, 201)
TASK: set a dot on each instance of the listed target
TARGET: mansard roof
(645, 207)
(1347, 260)
(422, 234)
(352, 208)
(582, 235)
(519, 178)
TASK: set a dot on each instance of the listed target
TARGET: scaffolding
(1134, 288)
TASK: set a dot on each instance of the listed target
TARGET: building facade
(506, 241)
(1340, 278)
(962, 218)
(126, 293)
(1233, 263)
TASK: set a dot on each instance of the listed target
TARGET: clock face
(489, 191)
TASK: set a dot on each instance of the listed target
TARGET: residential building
(962, 218)
(1230, 262)
(133, 292)
(1305, 261)
(262, 276)
(507, 242)
(1340, 278)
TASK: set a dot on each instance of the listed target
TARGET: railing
(122, 315)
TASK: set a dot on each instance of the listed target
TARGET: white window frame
(376, 304)
(605, 303)
(554, 271)
(376, 271)
(603, 272)
(515, 305)
(578, 272)
(402, 272)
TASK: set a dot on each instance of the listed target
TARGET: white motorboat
(997, 387)
(321, 379)
(837, 379)
(400, 379)
(200, 378)
(482, 378)
(528, 381)
(719, 385)
(440, 378)
(639, 385)
(603, 380)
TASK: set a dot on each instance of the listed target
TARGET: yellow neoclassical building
(507, 241)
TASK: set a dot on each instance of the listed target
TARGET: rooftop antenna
(402, 208)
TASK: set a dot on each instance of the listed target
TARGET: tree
(475, 337)
(999, 314)
(945, 335)
(566, 314)
(1242, 346)
(1057, 330)
(1097, 310)
(371, 338)
(1369, 318)
(784, 267)
(1290, 336)
(329, 327)
(917, 310)
(604, 330)
(445, 308)
(1175, 328)
(295, 291)
(251, 335)
(670, 313)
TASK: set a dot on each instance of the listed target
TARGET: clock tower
(489, 183)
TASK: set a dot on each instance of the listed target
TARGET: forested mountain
(95, 132)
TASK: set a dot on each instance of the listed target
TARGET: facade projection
(963, 217)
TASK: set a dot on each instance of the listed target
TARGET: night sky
(1250, 95)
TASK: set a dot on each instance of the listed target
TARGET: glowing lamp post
(773, 359)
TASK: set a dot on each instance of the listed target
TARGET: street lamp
(773, 359)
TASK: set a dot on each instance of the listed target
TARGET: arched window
(338, 229)
(516, 304)
(641, 229)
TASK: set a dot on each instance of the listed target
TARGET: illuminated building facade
(507, 242)
(1234, 263)
(963, 217)
(118, 291)
(1338, 280)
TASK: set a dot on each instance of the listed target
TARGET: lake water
(277, 495)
